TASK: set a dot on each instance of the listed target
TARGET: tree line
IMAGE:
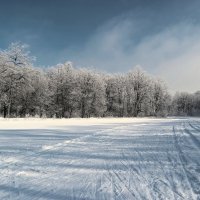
(64, 91)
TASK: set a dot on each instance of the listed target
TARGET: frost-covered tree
(35, 99)
(137, 89)
(196, 101)
(91, 93)
(159, 98)
(116, 95)
(64, 91)
(15, 64)
(183, 104)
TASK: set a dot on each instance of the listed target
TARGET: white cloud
(172, 53)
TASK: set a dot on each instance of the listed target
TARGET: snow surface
(124, 158)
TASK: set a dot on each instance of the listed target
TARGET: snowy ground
(100, 159)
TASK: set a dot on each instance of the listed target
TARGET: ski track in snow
(142, 160)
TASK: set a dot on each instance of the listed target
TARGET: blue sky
(111, 35)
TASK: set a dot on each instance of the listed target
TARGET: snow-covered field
(78, 159)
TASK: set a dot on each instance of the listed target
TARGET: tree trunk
(4, 111)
